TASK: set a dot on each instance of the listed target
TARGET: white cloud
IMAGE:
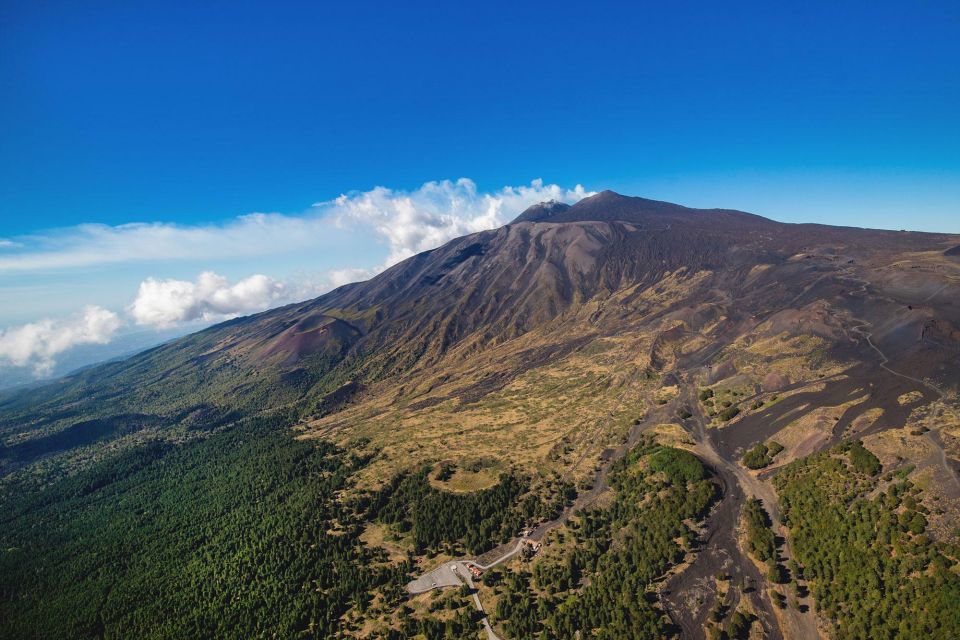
(37, 344)
(160, 304)
(437, 212)
(166, 303)
(97, 244)
(408, 221)
(339, 277)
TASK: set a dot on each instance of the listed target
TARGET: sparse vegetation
(657, 490)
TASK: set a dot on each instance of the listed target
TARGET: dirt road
(691, 593)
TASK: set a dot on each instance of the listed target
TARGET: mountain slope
(496, 285)
(546, 349)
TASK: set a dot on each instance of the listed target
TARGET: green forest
(247, 532)
(760, 537)
(872, 567)
(463, 523)
(473, 522)
(237, 535)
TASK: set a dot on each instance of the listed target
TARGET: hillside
(554, 374)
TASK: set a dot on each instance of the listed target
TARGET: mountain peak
(541, 211)
(598, 206)
(610, 206)
(607, 195)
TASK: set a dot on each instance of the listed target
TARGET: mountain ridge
(505, 280)
(522, 378)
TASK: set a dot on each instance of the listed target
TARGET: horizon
(489, 321)
(157, 313)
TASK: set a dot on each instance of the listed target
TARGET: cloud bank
(159, 304)
(36, 344)
(437, 212)
(89, 245)
(407, 221)
(166, 303)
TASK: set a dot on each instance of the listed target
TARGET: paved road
(447, 574)
(442, 576)
(455, 573)
(491, 635)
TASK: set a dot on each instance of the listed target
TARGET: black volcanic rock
(531, 345)
(497, 285)
(609, 206)
(952, 251)
(541, 211)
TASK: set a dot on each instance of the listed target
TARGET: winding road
(861, 329)
(720, 550)
(449, 573)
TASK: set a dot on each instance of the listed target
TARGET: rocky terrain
(552, 350)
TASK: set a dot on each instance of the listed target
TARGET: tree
(739, 625)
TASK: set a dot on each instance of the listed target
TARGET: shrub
(758, 457)
(678, 465)
(446, 471)
(761, 454)
(917, 524)
(739, 626)
(492, 577)
(862, 460)
(776, 574)
(729, 413)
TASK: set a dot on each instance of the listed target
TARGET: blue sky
(190, 116)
